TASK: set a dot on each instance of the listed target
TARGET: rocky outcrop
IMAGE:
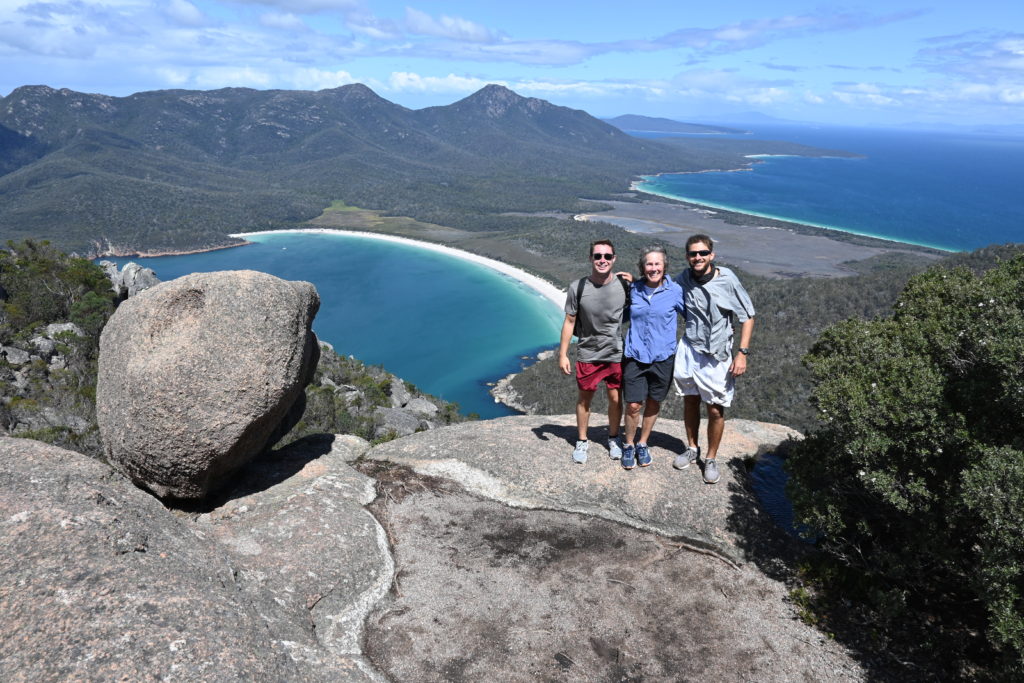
(492, 556)
(524, 461)
(200, 374)
(130, 279)
(98, 581)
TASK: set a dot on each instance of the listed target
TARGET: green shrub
(916, 478)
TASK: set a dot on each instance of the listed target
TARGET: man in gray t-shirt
(594, 307)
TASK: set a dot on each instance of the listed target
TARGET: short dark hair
(693, 239)
(597, 242)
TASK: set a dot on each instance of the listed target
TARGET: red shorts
(589, 375)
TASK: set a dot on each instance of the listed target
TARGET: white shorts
(701, 374)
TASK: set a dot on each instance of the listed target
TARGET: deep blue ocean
(952, 191)
(444, 324)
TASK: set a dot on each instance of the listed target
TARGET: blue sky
(868, 63)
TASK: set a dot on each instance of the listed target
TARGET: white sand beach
(540, 285)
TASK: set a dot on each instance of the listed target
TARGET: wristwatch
(745, 350)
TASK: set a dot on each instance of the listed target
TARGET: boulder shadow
(264, 471)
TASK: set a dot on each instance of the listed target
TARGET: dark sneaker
(628, 457)
(579, 455)
(643, 456)
(686, 458)
(711, 475)
(615, 447)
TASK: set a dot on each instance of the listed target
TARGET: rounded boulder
(200, 374)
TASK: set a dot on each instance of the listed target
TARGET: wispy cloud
(453, 28)
(306, 6)
(754, 33)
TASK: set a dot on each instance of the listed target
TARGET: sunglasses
(698, 252)
(603, 257)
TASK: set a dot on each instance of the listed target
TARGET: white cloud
(306, 6)
(233, 77)
(403, 81)
(318, 79)
(185, 13)
(454, 28)
(286, 21)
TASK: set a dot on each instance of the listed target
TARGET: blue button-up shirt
(652, 315)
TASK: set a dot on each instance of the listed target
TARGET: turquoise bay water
(951, 191)
(442, 323)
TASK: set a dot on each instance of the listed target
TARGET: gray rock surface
(524, 461)
(395, 421)
(200, 374)
(398, 393)
(487, 593)
(98, 581)
(14, 355)
(309, 555)
(130, 280)
(54, 329)
(421, 406)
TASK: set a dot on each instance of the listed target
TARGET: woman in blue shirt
(655, 303)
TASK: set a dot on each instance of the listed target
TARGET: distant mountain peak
(496, 101)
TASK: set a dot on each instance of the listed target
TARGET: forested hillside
(178, 170)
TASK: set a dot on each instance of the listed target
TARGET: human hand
(563, 362)
(739, 365)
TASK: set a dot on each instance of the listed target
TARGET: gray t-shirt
(709, 311)
(598, 321)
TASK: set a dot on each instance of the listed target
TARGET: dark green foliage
(41, 286)
(916, 476)
(44, 285)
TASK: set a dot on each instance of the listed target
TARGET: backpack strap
(579, 298)
(629, 300)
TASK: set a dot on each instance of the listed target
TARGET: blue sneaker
(628, 457)
(643, 456)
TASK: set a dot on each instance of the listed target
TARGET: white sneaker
(579, 455)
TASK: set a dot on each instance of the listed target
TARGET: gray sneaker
(579, 455)
(615, 447)
(686, 458)
(711, 475)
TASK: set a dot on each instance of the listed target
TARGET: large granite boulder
(200, 374)
(98, 581)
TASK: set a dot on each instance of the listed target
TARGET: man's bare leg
(583, 413)
(716, 427)
(691, 419)
(614, 411)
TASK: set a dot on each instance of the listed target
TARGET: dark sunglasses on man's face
(603, 257)
(699, 252)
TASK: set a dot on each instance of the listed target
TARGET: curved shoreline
(637, 186)
(539, 285)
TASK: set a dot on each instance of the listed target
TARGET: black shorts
(642, 381)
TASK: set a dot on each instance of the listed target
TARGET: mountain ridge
(176, 170)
